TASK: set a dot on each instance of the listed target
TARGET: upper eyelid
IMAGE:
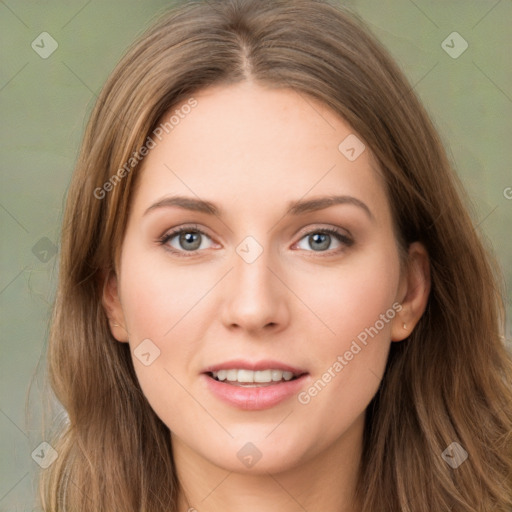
(171, 233)
(301, 232)
(306, 231)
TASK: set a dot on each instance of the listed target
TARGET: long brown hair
(450, 381)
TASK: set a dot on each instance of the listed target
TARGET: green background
(44, 105)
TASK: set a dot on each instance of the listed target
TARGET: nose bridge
(256, 296)
(251, 272)
(251, 266)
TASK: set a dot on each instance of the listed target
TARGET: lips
(254, 385)
(254, 366)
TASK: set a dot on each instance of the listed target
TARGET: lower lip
(254, 398)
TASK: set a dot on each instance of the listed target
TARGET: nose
(256, 300)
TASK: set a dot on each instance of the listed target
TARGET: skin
(252, 150)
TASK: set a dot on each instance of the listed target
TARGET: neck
(324, 483)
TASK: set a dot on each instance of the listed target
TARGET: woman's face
(255, 282)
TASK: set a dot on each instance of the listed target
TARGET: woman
(271, 295)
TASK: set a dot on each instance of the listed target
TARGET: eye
(185, 239)
(322, 240)
(190, 239)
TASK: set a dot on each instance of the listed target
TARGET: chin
(260, 456)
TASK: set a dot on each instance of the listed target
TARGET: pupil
(323, 238)
(190, 238)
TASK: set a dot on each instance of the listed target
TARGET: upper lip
(267, 364)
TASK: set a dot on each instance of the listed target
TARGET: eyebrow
(294, 207)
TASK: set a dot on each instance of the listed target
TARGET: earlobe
(113, 309)
(414, 292)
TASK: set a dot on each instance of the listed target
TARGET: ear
(414, 292)
(113, 308)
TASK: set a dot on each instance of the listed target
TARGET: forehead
(252, 146)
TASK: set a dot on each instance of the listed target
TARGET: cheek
(357, 304)
(349, 299)
(159, 298)
(162, 304)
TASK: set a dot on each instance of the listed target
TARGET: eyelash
(341, 237)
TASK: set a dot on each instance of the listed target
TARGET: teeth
(231, 374)
(287, 375)
(249, 376)
(245, 376)
(263, 376)
(276, 374)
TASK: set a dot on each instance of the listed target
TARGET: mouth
(254, 386)
(252, 379)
